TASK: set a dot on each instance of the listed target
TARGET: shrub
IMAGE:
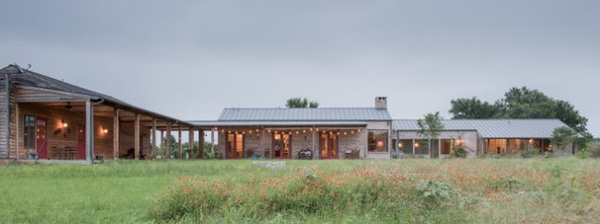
(582, 154)
(460, 151)
(594, 150)
(434, 191)
(530, 153)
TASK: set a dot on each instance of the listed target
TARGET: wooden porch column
(212, 142)
(89, 132)
(116, 133)
(136, 137)
(17, 135)
(201, 143)
(439, 148)
(262, 142)
(162, 142)
(180, 145)
(153, 145)
(317, 154)
(168, 142)
(413, 146)
(191, 141)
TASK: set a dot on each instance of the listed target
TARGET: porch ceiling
(106, 111)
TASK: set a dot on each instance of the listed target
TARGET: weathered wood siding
(4, 121)
(59, 136)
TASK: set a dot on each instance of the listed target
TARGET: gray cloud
(421, 54)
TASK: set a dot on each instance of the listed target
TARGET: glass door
(328, 145)
(235, 146)
(281, 146)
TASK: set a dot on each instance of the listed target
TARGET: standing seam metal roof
(494, 128)
(304, 114)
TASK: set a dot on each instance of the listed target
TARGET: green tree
(563, 137)
(522, 103)
(430, 129)
(472, 108)
(298, 102)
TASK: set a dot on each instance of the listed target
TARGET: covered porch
(279, 141)
(60, 125)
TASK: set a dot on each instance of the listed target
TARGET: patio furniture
(352, 154)
(305, 154)
(70, 152)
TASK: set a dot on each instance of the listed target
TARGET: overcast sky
(190, 59)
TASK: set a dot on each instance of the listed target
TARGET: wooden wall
(60, 136)
(4, 121)
(127, 139)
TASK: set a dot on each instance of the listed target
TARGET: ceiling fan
(68, 106)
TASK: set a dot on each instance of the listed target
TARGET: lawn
(565, 190)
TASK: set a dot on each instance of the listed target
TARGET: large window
(406, 146)
(420, 147)
(446, 146)
(378, 140)
(29, 131)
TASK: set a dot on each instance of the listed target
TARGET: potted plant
(32, 155)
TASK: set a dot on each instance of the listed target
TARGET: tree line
(518, 103)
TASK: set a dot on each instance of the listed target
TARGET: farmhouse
(493, 137)
(50, 119)
(291, 133)
(47, 119)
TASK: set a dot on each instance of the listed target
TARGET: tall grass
(565, 190)
(406, 191)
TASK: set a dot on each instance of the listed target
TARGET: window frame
(29, 132)
(372, 140)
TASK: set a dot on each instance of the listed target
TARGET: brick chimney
(381, 102)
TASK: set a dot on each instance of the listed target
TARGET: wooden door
(41, 134)
(282, 146)
(235, 146)
(328, 145)
(80, 141)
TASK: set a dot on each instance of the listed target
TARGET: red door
(282, 145)
(80, 141)
(328, 145)
(41, 137)
(235, 146)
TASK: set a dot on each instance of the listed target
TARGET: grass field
(565, 190)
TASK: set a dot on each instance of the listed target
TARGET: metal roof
(494, 128)
(20, 76)
(305, 114)
(277, 123)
